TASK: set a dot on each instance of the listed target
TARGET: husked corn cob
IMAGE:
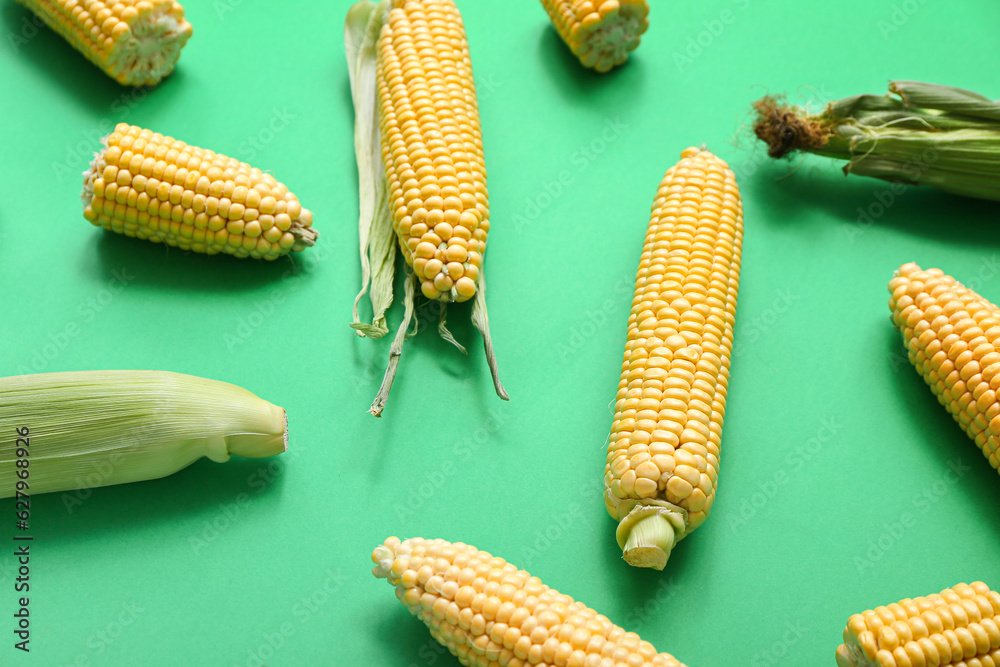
(959, 627)
(952, 335)
(599, 32)
(663, 453)
(432, 146)
(135, 42)
(490, 614)
(422, 176)
(98, 428)
(152, 187)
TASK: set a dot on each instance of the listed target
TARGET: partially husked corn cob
(959, 627)
(148, 186)
(489, 613)
(135, 42)
(599, 32)
(432, 146)
(952, 335)
(422, 176)
(663, 453)
(98, 428)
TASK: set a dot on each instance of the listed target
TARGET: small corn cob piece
(959, 627)
(135, 42)
(152, 187)
(421, 170)
(663, 453)
(599, 32)
(490, 614)
(98, 428)
(952, 335)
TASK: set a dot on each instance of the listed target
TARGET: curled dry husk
(919, 134)
(375, 225)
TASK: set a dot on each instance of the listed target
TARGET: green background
(832, 442)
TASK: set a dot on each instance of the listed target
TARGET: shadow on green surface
(945, 441)
(206, 492)
(578, 83)
(787, 194)
(412, 644)
(163, 267)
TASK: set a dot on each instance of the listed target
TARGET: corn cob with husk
(663, 452)
(601, 33)
(127, 426)
(489, 613)
(135, 42)
(952, 335)
(959, 627)
(148, 186)
(927, 134)
(420, 165)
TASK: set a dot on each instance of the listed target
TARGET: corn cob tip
(786, 129)
(384, 556)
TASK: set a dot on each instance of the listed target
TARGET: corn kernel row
(601, 33)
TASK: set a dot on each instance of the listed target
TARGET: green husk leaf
(481, 320)
(98, 428)
(377, 238)
(920, 95)
(378, 405)
(944, 137)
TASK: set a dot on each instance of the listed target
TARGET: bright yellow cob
(420, 161)
(959, 627)
(599, 32)
(152, 187)
(663, 454)
(135, 42)
(953, 338)
(98, 428)
(490, 614)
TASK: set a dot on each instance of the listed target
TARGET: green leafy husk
(98, 428)
(375, 226)
(919, 134)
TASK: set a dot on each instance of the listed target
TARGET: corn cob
(490, 614)
(152, 187)
(599, 33)
(663, 452)
(125, 426)
(959, 627)
(952, 335)
(135, 42)
(421, 170)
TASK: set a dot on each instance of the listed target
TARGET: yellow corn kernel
(169, 205)
(960, 627)
(431, 144)
(663, 454)
(489, 613)
(98, 428)
(135, 42)
(601, 33)
(952, 335)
